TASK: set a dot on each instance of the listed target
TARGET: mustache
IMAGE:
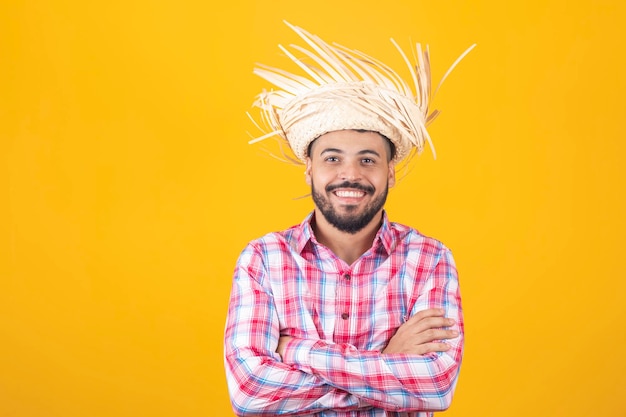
(348, 184)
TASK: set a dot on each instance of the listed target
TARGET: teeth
(354, 194)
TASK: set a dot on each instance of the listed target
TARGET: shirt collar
(306, 233)
(385, 235)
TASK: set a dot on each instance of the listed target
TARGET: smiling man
(353, 172)
(347, 313)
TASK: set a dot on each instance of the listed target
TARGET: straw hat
(346, 89)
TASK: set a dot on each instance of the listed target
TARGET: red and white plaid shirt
(340, 316)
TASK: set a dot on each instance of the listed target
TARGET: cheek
(381, 179)
(320, 177)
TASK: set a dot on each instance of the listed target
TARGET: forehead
(350, 141)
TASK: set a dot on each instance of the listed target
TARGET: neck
(347, 246)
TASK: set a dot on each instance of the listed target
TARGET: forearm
(393, 382)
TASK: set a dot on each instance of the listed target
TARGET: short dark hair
(392, 147)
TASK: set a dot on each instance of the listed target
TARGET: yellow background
(128, 189)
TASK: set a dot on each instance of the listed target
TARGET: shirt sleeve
(259, 382)
(398, 382)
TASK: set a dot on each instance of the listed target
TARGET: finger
(429, 312)
(432, 347)
(428, 323)
(431, 335)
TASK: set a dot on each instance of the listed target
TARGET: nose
(350, 171)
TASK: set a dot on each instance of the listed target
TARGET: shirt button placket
(347, 277)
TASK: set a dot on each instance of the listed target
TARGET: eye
(368, 161)
(331, 159)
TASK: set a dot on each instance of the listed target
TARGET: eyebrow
(362, 152)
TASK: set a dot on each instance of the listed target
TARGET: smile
(349, 193)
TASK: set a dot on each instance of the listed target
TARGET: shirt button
(347, 276)
(345, 316)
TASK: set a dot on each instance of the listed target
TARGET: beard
(350, 222)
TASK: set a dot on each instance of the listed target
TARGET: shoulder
(275, 241)
(412, 239)
(423, 254)
(273, 251)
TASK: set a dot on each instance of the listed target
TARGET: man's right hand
(423, 333)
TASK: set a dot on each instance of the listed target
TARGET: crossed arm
(270, 374)
(421, 334)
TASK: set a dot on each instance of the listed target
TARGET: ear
(307, 171)
(391, 175)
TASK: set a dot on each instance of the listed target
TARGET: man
(346, 314)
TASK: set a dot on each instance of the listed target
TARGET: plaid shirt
(340, 317)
